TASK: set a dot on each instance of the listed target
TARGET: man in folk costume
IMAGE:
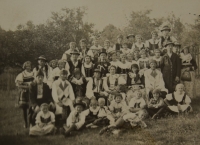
(154, 80)
(102, 64)
(42, 66)
(118, 45)
(165, 36)
(73, 62)
(67, 55)
(131, 38)
(39, 93)
(63, 96)
(83, 50)
(170, 67)
(152, 43)
(94, 50)
(94, 89)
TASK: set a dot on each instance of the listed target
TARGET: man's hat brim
(169, 44)
(42, 58)
(80, 104)
(130, 35)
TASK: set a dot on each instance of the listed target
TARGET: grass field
(182, 130)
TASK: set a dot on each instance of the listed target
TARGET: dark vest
(118, 46)
(174, 102)
(72, 67)
(89, 71)
(45, 120)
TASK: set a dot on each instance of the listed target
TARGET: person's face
(83, 44)
(114, 57)
(77, 75)
(131, 39)
(118, 55)
(165, 32)
(39, 79)
(63, 77)
(136, 53)
(179, 88)
(106, 44)
(157, 54)
(153, 66)
(139, 40)
(119, 40)
(130, 57)
(174, 49)
(72, 46)
(112, 70)
(41, 62)
(61, 65)
(154, 35)
(169, 47)
(138, 94)
(97, 75)
(118, 99)
(101, 104)
(28, 67)
(74, 56)
(44, 109)
(185, 51)
(156, 96)
(79, 108)
(87, 60)
(102, 56)
(96, 43)
(93, 105)
(123, 58)
(53, 65)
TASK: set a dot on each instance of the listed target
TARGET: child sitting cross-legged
(45, 121)
(156, 105)
(76, 119)
(99, 115)
(178, 102)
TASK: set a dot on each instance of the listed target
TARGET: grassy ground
(182, 130)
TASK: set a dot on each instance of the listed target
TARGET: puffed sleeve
(169, 97)
(18, 79)
(38, 119)
(187, 99)
(132, 103)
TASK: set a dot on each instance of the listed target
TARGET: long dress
(171, 68)
(188, 65)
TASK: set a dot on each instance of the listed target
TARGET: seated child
(131, 119)
(156, 104)
(137, 103)
(101, 115)
(76, 119)
(178, 101)
(45, 121)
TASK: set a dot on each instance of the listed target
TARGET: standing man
(170, 67)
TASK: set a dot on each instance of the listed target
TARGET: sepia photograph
(99, 72)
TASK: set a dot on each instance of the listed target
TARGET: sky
(99, 12)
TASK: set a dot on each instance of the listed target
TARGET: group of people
(115, 87)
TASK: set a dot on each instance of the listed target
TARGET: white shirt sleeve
(71, 92)
(52, 117)
(81, 121)
(54, 92)
(89, 91)
(169, 97)
(105, 85)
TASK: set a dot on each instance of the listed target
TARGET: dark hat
(156, 91)
(79, 101)
(40, 73)
(165, 28)
(134, 66)
(42, 57)
(63, 72)
(168, 43)
(103, 50)
(130, 35)
(75, 52)
(97, 70)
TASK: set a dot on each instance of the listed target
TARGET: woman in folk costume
(136, 54)
(94, 50)
(118, 45)
(114, 61)
(188, 71)
(53, 64)
(165, 37)
(67, 55)
(78, 83)
(63, 96)
(170, 68)
(123, 67)
(154, 80)
(138, 44)
(152, 43)
(178, 101)
(157, 57)
(143, 63)
(131, 39)
(102, 64)
(43, 67)
(45, 122)
(94, 87)
(73, 63)
(125, 50)
(129, 59)
(83, 49)
(87, 68)
(23, 81)
(56, 72)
